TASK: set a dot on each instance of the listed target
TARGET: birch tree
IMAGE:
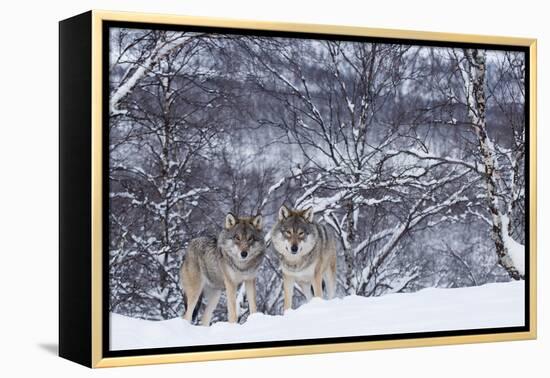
(135, 53)
(511, 254)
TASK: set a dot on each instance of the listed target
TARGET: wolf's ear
(230, 221)
(284, 212)
(257, 221)
(307, 214)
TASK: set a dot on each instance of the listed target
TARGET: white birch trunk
(473, 71)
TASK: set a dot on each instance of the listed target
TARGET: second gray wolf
(307, 252)
(223, 263)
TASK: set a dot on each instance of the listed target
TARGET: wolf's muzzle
(294, 249)
(244, 254)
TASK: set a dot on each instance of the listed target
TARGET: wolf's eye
(301, 233)
(287, 232)
(250, 238)
(237, 237)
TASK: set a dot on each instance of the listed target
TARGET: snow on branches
(413, 155)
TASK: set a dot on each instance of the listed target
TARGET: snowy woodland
(413, 154)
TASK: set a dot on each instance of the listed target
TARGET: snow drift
(488, 306)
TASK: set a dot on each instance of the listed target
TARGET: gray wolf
(212, 265)
(307, 253)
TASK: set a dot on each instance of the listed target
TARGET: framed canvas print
(237, 189)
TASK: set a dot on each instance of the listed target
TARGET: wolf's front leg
(288, 287)
(318, 284)
(231, 294)
(212, 299)
(250, 286)
(330, 280)
(305, 286)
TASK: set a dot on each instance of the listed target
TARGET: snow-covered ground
(488, 306)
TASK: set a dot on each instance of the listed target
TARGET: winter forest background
(414, 155)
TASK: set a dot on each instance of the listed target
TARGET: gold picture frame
(91, 265)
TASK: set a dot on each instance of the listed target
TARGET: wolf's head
(294, 233)
(242, 238)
